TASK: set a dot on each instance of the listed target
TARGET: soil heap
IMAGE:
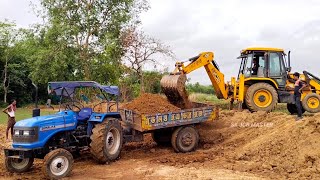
(273, 145)
(150, 104)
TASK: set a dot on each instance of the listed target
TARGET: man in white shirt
(10, 111)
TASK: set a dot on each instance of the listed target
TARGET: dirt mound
(269, 144)
(150, 104)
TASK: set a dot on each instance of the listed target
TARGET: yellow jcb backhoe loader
(264, 79)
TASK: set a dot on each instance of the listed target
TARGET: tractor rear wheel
(58, 164)
(106, 141)
(261, 97)
(18, 165)
(185, 139)
(311, 103)
(162, 137)
(292, 108)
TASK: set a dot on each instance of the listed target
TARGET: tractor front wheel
(18, 165)
(311, 103)
(261, 97)
(58, 164)
(106, 141)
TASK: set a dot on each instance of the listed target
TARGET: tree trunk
(85, 65)
(5, 79)
(140, 74)
(142, 90)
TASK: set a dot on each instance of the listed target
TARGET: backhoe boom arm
(205, 60)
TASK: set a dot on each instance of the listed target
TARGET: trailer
(177, 128)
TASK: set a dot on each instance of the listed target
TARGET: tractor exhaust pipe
(36, 110)
(289, 63)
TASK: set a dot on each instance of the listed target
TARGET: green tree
(50, 58)
(92, 27)
(12, 64)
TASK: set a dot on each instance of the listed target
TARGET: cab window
(248, 65)
(274, 64)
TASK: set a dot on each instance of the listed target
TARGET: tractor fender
(100, 117)
(97, 118)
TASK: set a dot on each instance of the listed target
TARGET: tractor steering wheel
(71, 106)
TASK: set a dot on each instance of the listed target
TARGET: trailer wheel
(58, 164)
(174, 138)
(162, 137)
(311, 103)
(185, 139)
(106, 141)
(18, 165)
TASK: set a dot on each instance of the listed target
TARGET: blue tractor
(57, 137)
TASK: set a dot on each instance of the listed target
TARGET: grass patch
(224, 104)
(23, 113)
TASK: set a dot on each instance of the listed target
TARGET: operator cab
(264, 63)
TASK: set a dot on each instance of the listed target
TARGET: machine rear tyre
(261, 97)
(311, 103)
(106, 141)
(18, 165)
(185, 139)
(292, 108)
(58, 164)
(162, 137)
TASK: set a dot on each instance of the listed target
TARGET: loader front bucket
(173, 86)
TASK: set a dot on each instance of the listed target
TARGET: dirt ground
(240, 145)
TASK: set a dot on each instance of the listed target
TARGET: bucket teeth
(173, 86)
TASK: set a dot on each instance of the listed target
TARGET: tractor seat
(84, 114)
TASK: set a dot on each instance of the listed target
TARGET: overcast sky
(222, 26)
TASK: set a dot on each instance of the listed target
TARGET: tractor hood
(44, 120)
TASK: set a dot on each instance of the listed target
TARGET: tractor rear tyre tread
(249, 97)
(98, 146)
(58, 158)
(305, 105)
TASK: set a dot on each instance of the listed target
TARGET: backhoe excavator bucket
(173, 86)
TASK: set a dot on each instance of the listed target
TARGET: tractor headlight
(29, 132)
(26, 133)
(16, 132)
